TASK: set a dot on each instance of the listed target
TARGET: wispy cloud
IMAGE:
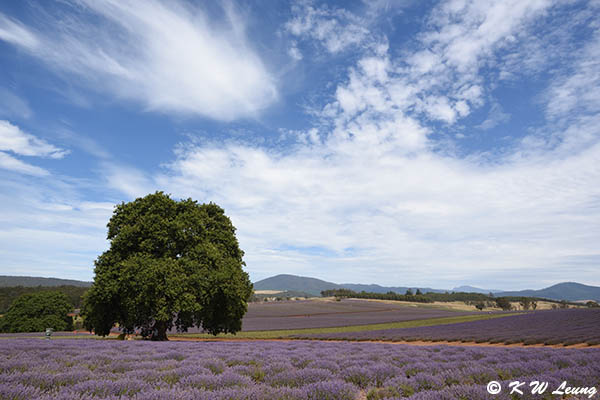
(14, 140)
(14, 164)
(48, 229)
(14, 32)
(334, 28)
(12, 105)
(495, 117)
(580, 90)
(173, 58)
(126, 179)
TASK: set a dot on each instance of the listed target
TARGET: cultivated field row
(314, 370)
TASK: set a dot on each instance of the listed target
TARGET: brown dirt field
(415, 343)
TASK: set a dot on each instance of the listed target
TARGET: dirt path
(414, 343)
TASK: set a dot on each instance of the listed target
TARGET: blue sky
(392, 142)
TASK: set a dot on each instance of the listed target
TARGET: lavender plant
(566, 326)
(100, 369)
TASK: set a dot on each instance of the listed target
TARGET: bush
(503, 303)
(34, 312)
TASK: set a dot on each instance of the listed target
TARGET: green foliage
(458, 296)
(9, 294)
(34, 312)
(592, 304)
(503, 303)
(525, 303)
(341, 293)
(170, 264)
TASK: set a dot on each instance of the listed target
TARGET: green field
(291, 333)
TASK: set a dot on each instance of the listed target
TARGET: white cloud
(370, 192)
(374, 195)
(11, 163)
(580, 90)
(14, 139)
(126, 179)
(470, 30)
(169, 56)
(14, 32)
(495, 117)
(12, 105)
(49, 229)
(336, 29)
(395, 212)
(295, 53)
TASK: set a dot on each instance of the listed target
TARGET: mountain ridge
(570, 291)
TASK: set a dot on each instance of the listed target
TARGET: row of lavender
(568, 326)
(89, 369)
(324, 313)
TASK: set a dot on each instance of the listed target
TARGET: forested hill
(286, 282)
(9, 294)
(32, 281)
(316, 286)
(570, 291)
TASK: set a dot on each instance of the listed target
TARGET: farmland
(329, 313)
(568, 326)
(73, 369)
(321, 313)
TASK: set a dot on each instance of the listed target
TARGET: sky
(397, 142)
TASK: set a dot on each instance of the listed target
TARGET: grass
(288, 333)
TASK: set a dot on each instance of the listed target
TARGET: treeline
(479, 300)
(341, 293)
(74, 294)
(417, 296)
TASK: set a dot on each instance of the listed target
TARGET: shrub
(34, 312)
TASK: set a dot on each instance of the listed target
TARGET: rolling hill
(285, 282)
(314, 286)
(31, 281)
(473, 289)
(570, 291)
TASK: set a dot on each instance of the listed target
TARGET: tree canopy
(34, 312)
(170, 264)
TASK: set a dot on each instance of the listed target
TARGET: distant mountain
(473, 289)
(30, 281)
(570, 291)
(295, 283)
(315, 286)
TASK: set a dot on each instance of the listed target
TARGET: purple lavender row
(566, 327)
(89, 369)
(322, 314)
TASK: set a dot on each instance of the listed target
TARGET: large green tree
(34, 312)
(170, 264)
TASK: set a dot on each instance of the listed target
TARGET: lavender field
(565, 326)
(91, 369)
(322, 314)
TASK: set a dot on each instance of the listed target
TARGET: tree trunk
(159, 331)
